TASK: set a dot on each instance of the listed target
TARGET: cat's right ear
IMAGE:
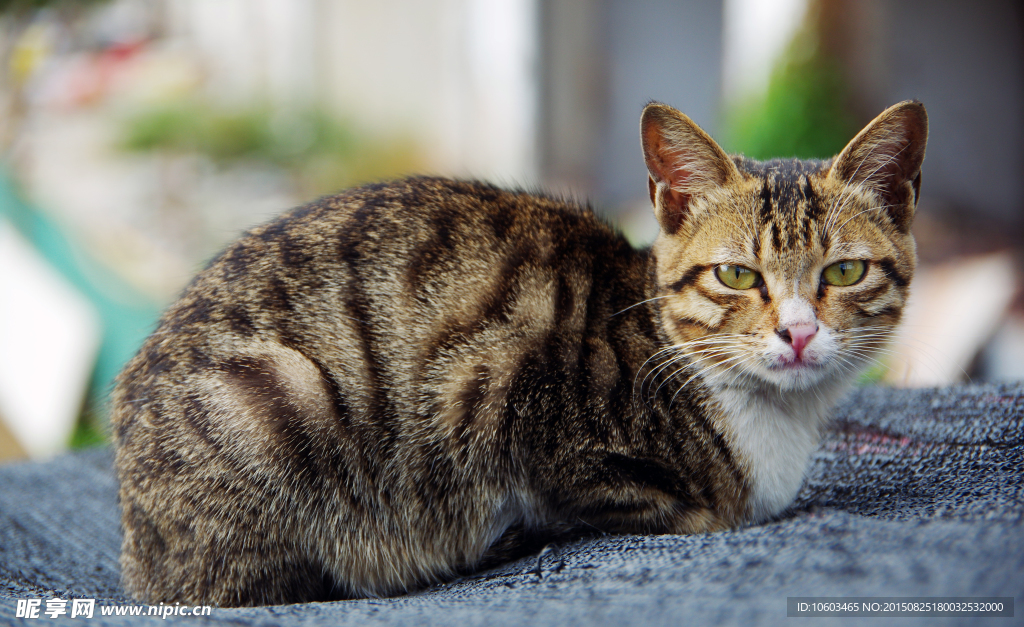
(683, 161)
(886, 158)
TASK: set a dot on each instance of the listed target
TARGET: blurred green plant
(321, 151)
(29, 6)
(89, 429)
(804, 112)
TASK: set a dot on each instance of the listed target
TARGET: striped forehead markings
(812, 209)
(789, 206)
(786, 196)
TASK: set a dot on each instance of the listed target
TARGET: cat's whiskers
(652, 376)
(928, 355)
(737, 359)
(656, 353)
(867, 341)
(868, 330)
(716, 344)
(694, 361)
(860, 354)
(653, 373)
(680, 353)
(871, 355)
(685, 383)
(865, 360)
(723, 354)
(876, 343)
(706, 369)
(878, 340)
(662, 368)
(848, 367)
(644, 365)
(867, 344)
(638, 304)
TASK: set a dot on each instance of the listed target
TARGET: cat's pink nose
(798, 335)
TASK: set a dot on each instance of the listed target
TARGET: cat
(407, 381)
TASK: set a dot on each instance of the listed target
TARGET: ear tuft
(886, 158)
(683, 162)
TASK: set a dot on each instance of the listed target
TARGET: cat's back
(405, 265)
(390, 282)
(417, 245)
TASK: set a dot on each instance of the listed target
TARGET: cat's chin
(792, 377)
(797, 376)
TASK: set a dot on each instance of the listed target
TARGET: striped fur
(410, 380)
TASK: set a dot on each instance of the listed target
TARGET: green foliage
(88, 431)
(25, 7)
(803, 112)
(229, 135)
(323, 152)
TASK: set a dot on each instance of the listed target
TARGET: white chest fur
(773, 438)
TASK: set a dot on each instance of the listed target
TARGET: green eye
(737, 277)
(844, 273)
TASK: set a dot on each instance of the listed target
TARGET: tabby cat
(410, 380)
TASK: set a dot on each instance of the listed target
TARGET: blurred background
(138, 137)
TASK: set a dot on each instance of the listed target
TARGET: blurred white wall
(456, 75)
(49, 335)
(754, 35)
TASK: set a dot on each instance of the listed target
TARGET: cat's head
(783, 273)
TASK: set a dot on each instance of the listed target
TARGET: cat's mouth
(789, 372)
(795, 363)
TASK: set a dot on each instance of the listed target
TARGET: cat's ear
(683, 162)
(886, 157)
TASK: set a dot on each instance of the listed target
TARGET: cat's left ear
(683, 161)
(886, 157)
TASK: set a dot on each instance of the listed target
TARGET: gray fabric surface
(913, 493)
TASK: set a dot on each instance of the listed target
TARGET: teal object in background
(126, 315)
